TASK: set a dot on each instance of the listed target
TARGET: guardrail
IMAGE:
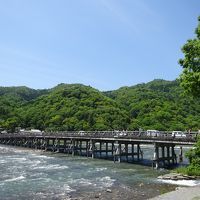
(165, 136)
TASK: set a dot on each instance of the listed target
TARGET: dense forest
(158, 105)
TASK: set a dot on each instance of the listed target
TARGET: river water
(32, 174)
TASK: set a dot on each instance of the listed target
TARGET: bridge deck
(111, 136)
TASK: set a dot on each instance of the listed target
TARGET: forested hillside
(156, 105)
(68, 107)
(12, 98)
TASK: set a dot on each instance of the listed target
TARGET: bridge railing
(106, 134)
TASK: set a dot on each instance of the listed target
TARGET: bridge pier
(180, 154)
(80, 147)
(162, 160)
(123, 151)
(163, 154)
(132, 150)
(119, 152)
(106, 149)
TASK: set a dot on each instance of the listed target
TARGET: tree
(194, 157)
(190, 81)
(190, 77)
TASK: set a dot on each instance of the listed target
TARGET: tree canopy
(158, 104)
(190, 77)
(190, 81)
(194, 158)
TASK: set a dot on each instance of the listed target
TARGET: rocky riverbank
(183, 193)
(140, 191)
(177, 176)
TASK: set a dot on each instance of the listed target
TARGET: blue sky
(106, 44)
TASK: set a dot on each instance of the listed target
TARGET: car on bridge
(178, 134)
(120, 134)
(153, 133)
(81, 133)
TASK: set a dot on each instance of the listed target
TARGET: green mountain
(72, 107)
(14, 97)
(158, 105)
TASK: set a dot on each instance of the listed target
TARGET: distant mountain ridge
(158, 104)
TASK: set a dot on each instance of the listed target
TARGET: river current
(32, 174)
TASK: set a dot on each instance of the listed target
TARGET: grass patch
(182, 170)
(191, 171)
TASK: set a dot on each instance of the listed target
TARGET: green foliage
(12, 98)
(156, 105)
(194, 157)
(190, 77)
(182, 170)
(190, 170)
(73, 107)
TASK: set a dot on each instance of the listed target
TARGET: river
(27, 174)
